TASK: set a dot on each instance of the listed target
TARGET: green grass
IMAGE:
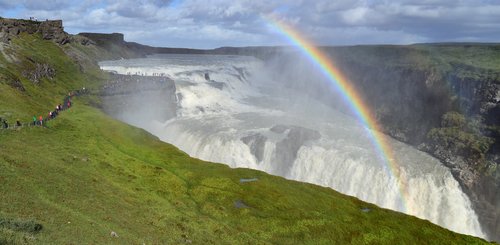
(474, 61)
(459, 131)
(38, 99)
(85, 175)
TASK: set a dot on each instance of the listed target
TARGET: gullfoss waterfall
(230, 109)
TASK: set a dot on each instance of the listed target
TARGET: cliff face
(49, 29)
(122, 49)
(443, 99)
(137, 99)
(101, 38)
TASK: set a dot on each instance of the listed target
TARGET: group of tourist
(39, 121)
(5, 125)
(154, 74)
(52, 114)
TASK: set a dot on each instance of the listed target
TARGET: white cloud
(355, 16)
(212, 23)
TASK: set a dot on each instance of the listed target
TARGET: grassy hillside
(85, 175)
(21, 98)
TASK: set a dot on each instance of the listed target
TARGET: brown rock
(50, 29)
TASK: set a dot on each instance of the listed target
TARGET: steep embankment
(85, 175)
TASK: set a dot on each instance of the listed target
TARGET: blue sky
(215, 23)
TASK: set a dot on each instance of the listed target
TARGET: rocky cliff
(443, 99)
(124, 49)
(125, 97)
(101, 38)
(49, 29)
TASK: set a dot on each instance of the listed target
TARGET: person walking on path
(34, 120)
(40, 118)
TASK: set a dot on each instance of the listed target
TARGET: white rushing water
(241, 117)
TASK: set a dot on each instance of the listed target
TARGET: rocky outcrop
(294, 138)
(16, 83)
(256, 143)
(49, 29)
(39, 72)
(139, 98)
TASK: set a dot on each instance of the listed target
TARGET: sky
(217, 23)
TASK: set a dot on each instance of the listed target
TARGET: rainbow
(349, 94)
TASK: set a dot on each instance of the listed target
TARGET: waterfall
(241, 117)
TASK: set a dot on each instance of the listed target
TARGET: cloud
(4, 4)
(213, 23)
(45, 5)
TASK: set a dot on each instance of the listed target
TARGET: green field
(86, 175)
